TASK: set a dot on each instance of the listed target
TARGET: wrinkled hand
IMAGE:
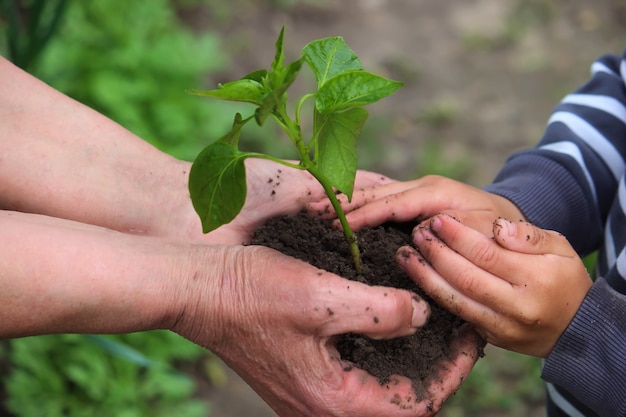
(520, 289)
(421, 199)
(277, 330)
(273, 190)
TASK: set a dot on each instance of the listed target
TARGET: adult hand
(520, 288)
(277, 331)
(271, 317)
(273, 189)
(421, 199)
(97, 172)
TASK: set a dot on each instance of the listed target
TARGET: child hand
(420, 199)
(520, 289)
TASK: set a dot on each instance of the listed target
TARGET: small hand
(520, 289)
(278, 332)
(421, 199)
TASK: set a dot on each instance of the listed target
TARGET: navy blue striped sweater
(573, 181)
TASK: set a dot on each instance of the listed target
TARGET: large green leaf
(338, 133)
(217, 184)
(351, 89)
(329, 57)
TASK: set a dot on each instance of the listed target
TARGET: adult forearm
(62, 159)
(61, 276)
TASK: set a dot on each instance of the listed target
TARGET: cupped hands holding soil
(419, 357)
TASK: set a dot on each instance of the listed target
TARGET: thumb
(523, 237)
(378, 312)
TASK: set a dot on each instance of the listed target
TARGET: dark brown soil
(315, 242)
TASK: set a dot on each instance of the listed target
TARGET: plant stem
(292, 128)
(347, 230)
(299, 106)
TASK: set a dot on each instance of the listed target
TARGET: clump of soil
(314, 241)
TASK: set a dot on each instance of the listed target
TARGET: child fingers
(467, 297)
(399, 207)
(479, 251)
(523, 237)
(361, 196)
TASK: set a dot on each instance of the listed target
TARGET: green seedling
(217, 181)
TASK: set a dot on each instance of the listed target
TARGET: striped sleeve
(588, 363)
(568, 182)
(573, 181)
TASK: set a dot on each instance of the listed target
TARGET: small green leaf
(351, 89)
(217, 184)
(245, 90)
(289, 73)
(329, 57)
(338, 133)
(281, 80)
(258, 76)
(232, 137)
(279, 57)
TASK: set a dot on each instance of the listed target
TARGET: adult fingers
(342, 306)
(399, 397)
(424, 398)
(466, 348)
(304, 376)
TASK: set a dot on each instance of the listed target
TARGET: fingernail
(511, 228)
(418, 234)
(421, 312)
(435, 223)
(419, 237)
(404, 253)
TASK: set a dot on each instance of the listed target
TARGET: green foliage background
(134, 66)
(131, 61)
(72, 375)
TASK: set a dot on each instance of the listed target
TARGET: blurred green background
(481, 77)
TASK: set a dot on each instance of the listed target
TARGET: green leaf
(351, 89)
(275, 83)
(258, 76)
(289, 74)
(245, 90)
(338, 133)
(281, 80)
(279, 57)
(329, 57)
(232, 137)
(217, 184)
